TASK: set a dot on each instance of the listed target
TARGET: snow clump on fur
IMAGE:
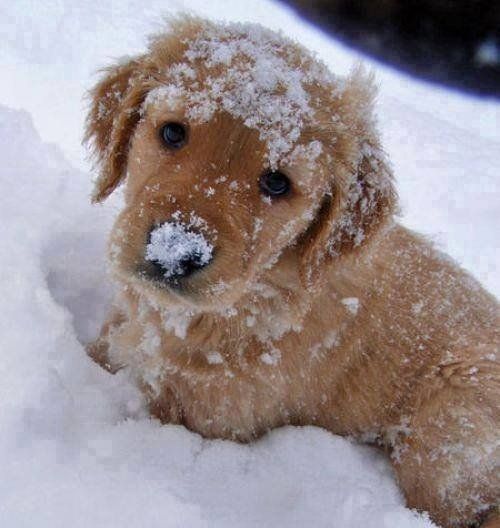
(171, 245)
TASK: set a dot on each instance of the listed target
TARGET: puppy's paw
(98, 352)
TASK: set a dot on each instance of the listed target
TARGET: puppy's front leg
(98, 350)
(166, 407)
(447, 459)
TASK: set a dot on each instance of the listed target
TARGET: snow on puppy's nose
(177, 250)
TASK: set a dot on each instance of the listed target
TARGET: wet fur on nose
(176, 251)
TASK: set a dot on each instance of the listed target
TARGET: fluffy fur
(317, 307)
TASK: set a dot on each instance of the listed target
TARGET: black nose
(184, 267)
(174, 251)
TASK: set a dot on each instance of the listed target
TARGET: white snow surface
(77, 447)
(172, 243)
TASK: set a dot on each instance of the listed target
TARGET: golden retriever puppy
(263, 278)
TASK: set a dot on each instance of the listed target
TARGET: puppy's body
(318, 308)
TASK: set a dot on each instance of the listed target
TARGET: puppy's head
(235, 145)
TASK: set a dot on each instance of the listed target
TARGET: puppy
(263, 278)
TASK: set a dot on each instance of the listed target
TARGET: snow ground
(76, 446)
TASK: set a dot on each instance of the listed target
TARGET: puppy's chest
(238, 395)
(225, 404)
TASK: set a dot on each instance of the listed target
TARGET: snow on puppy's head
(250, 78)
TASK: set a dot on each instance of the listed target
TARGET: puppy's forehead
(256, 76)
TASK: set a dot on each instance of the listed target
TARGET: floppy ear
(114, 111)
(361, 195)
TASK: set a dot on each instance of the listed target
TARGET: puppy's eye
(173, 135)
(274, 183)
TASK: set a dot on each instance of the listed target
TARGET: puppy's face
(235, 146)
(217, 184)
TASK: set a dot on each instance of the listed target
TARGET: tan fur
(328, 314)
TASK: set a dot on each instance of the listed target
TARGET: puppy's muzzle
(174, 251)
